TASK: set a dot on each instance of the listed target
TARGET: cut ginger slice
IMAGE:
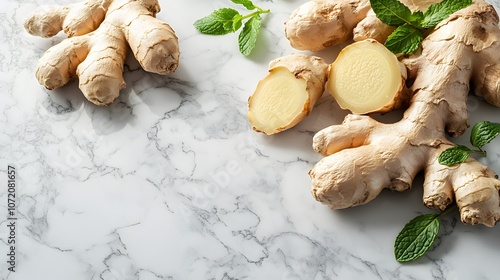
(287, 94)
(279, 100)
(367, 78)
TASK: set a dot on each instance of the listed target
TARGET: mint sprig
(482, 133)
(227, 20)
(417, 236)
(410, 26)
(455, 155)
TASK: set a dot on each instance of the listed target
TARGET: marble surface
(170, 182)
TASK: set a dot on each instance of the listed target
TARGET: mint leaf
(219, 22)
(416, 19)
(247, 3)
(454, 155)
(416, 237)
(248, 36)
(391, 12)
(405, 39)
(439, 11)
(483, 132)
(237, 22)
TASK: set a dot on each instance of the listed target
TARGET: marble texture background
(170, 182)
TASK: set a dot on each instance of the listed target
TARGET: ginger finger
(319, 24)
(372, 28)
(156, 48)
(356, 176)
(342, 180)
(351, 133)
(437, 187)
(58, 65)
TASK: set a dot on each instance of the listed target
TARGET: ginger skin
(319, 24)
(364, 156)
(100, 32)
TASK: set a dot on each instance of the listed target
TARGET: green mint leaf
(454, 155)
(247, 3)
(391, 12)
(439, 11)
(483, 132)
(416, 237)
(416, 19)
(237, 21)
(405, 39)
(219, 22)
(248, 36)
(233, 24)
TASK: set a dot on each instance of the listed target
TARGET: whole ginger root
(100, 33)
(364, 156)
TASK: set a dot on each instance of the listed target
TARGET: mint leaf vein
(416, 237)
(248, 36)
(391, 12)
(219, 22)
(440, 11)
(405, 39)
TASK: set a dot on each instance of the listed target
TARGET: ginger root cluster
(362, 156)
(100, 34)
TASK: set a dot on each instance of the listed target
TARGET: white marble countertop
(170, 182)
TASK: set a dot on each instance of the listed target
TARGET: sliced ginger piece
(367, 78)
(287, 94)
(278, 102)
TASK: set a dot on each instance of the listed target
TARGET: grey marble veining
(170, 182)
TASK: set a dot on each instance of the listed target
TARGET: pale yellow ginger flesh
(101, 32)
(367, 78)
(363, 156)
(287, 94)
(278, 100)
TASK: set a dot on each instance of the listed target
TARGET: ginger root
(288, 93)
(100, 32)
(367, 78)
(364, 156)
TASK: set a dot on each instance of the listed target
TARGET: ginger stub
(287, 94)
(100, 33)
